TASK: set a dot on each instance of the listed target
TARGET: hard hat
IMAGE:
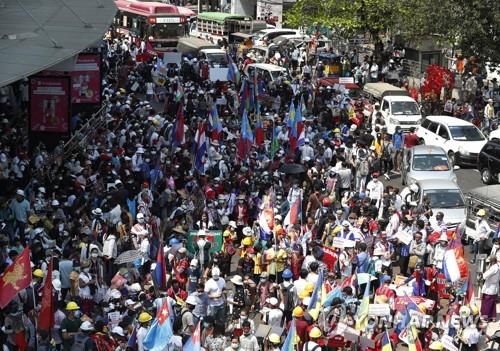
(247, 231)
(474, 309)
(298, 312)
(246, 242)
(87, 326)
(274, 338)
(303, 294)
(287, 274)
(414, 188)
(118, 331)
(464, 311)
(326, 202)
(309, 287)
(72, 306)
(315, 333)
(38, 273)
(336, 130)
(481, 213)
(353, 127)
(436, 345)
(191, 300)
(144, 317)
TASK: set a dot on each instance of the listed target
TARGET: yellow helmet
(246, 241)
(436, 345)
(38, 273)
(303, 294)
(315, 333)
(274, 338)
(336, 130)
(481, 213)
(144, 317)
(298, 312)
(474, 309)
(309, 287)
(72, 306)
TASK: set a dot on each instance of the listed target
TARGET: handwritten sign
(343, 328)
(342, 243)
(404, 237)
(380, 309)
(448, 344)
(114, 318)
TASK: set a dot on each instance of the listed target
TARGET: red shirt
(411, 139)
(301, 328)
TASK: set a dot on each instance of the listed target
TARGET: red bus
(159, 25)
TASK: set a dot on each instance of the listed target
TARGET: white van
(267, 35)
(396, 106)
(267, 71)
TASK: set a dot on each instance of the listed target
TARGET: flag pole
(36, 319)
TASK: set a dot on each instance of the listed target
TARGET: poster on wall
(86, 80)
(49, 104)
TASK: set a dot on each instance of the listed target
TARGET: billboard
(214, 236)
(86, 79)
(49, 104)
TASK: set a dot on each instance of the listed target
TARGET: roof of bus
(147, 8)
(219, 17)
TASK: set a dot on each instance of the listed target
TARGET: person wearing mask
(20, 209)
(188, 326)
(483, 231)
(144, 322)
(215, 287)
(248, 341)
(70, 325)
(490, 290)
(234, 346)
(375, 189)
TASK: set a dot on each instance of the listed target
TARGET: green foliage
(470, 25)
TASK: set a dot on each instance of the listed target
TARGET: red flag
(46, 316)
(329, 257)
(16, 277)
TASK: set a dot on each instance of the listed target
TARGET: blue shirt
(20, 210)
(397, 140)
(362, 262)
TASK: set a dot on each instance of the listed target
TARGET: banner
(401, 302)
(49, 104)
(214, 236)
(86, 80)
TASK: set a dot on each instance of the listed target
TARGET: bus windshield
(166, 30)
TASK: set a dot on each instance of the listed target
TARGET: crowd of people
(233, 221)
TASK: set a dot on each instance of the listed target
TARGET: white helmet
(414, 188)
(191, 300)
(87, 326)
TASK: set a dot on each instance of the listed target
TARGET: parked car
(461, 140)
(267, 35)
(426, 162)
(488, 162)
(495, 134)
(445, 196)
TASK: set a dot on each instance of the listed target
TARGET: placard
(379, 309)
(262, 330)
(218, 74)
(400, 279)
(214, 236)
(448, 344)
(172, 57)
(114, 318)
(49, 104)
(404, 237)
(86, 79)
(400, 303)
(346, 80)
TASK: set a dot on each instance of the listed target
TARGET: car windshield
(444, 198)
(430, 163)
(275, 74)
(218, 59)
(404, 108)
(466, 133)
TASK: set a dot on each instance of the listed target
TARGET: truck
(396, 106)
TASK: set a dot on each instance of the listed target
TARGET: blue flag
(160, 332)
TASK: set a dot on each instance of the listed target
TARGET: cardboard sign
(381, 309)
(114, 318)
(262, 330)
(172, 57)
(448, 344)
(404, 237)
(218, 74)
(214, 236)
(400, 303)
(400, 279)
(346, 80)
(342, 243)
(343, 328)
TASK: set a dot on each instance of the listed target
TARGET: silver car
(426, 162)
(444, 196)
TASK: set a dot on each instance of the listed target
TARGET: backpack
(177, 325)
(364, 168)
(290, 297)
(79, 342)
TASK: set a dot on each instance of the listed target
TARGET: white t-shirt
(213, 286)
(84, 293)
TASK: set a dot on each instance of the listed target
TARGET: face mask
(235, 346)
(77, 314)
(140, 220)
(295, 186)
(61, 227)
(86, 270)
(375, 180)
(241, 201)
(94, 255)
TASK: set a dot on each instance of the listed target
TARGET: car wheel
(452, 158)
(421, 141)
(486, 176)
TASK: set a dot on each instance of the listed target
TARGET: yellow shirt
(257, 269)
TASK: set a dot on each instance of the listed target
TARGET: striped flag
(293, 214)
(386, 342)
(194, 342)
(200, 148)
(289, 344)
(362, 314)
(246, 137)
(454, 265)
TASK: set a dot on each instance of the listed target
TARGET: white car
(495, 135)
(461, 140)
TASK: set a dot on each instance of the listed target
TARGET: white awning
(26, 49)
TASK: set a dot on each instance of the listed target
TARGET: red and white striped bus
(159, 25)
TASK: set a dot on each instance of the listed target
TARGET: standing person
(345, 179)
(70, 325)
(489, 113)
(490, 290)
(398, 144)
(20, 209)
(214, 287)
(144, 321)
(248, 341)
(483, 231)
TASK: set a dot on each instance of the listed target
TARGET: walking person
(490, 290)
